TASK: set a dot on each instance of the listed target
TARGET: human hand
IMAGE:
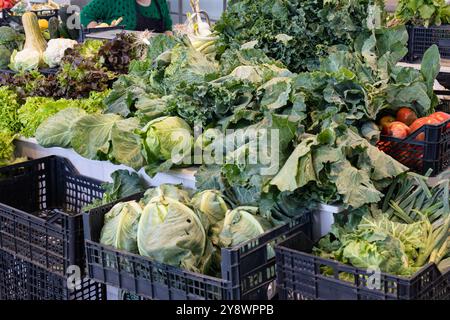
(92, 25)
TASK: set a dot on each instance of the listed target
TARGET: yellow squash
(34, 39)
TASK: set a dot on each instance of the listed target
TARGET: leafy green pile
(82, 71)
(7, 149)
(412, 232)
(362, 83)
(9, 107)
(9, 125)
(79, 75)
(123, 184)
(173, 227)
(323, 156)
(118, 53)
(294, 32)
(244, 181)
(359, 81)
(355, 171)
(36, 110)
(423, 12)
(233, 96)
(171, 64)
(183, 82)
(94, 136)
(25, 84)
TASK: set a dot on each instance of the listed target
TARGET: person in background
(139, 15)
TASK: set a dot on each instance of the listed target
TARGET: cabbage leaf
(91, 135)
(121, 226)
(56, 130)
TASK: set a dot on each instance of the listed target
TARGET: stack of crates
(301, 275)
(41, 231)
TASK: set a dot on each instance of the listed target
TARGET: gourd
(33, 36)
(32, 55)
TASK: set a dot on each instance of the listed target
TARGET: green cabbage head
(242, 224)
(121, 226)
(211, 204)
(172, 233)
(172, 191)
(167, 139)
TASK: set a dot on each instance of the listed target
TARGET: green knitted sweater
(109, 10)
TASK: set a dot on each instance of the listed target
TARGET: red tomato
(7, 4)
(419, 123)
(406, 115)
(397, 130)
(441, 117)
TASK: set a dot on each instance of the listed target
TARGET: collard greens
(347, 162)
(124, 184)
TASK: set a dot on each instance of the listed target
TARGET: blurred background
(213, 7)
(178, 8)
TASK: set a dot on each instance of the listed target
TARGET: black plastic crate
(421, 38)
(248, 273)
(299, 277)
(22, 280)
(9, 16)
(444, 95)
(421, 156)
(126, 296)
(40, 212)
(444, 80)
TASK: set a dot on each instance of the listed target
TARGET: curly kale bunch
(295, 32)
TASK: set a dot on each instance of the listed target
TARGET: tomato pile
(406, 123)
(7, 4)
